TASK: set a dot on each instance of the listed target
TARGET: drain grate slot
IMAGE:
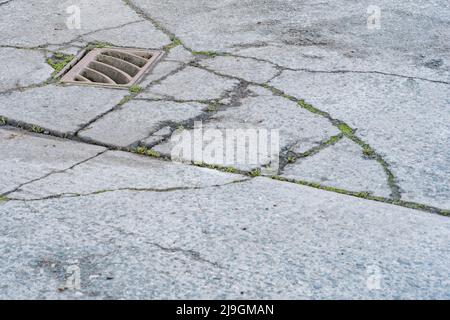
(112, 67)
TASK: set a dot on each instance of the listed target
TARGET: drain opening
(112, 67)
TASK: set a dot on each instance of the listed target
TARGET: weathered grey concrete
(341, 166)
(141, 34)
(117, 170)
(405, 120)
(137, 120)
(241, 240)
(58, 108)
(25, 157)
(21, 68)
(42, 22)
(193, 84)
(146, 228)
(247, 69)
(180, 54)
(260, 109)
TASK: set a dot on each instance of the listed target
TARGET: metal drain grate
(116, 67)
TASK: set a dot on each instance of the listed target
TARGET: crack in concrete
(341, 71)
(66, 195)
(367, 196)
(5, 2)
(51, 173)
(288, 156)
(194, 255)
(391, 178)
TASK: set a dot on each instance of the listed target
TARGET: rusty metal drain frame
(85, 57)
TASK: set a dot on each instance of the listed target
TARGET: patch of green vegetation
(310, 108)
(2, 121)
(175, 43)
(37, 129)
(255, 172)
(210, 54)
(99, 44)
(136, 89)
(345, 129)
(125, 100)
(59, 60)
(3, 199)
(368, 151)
(334, 139)
(148, 152)
(445, 212)
(291, 159)
(216, 167)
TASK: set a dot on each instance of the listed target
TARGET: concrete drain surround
(116, 67)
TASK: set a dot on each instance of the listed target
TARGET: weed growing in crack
(98, 44)
(3, 199)
(216, 167)
(310, 108)
(37, 129)
(125, 100)
(255, 173)
(291, 159)
(368, 152)
(136, 89)
(175, 43)
(59, 60)
(3, 121)
(345, 129)
(148, 152)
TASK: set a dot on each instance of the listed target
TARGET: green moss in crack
(59, 60)
(345, 129)
(255, 173)
(368, 152)
(291, 159)
(136, 89)
(311, 108)
(148, 152)
(175, 43)
(3, 121)
(98, 44)
(3, 199)
(37, 129)
(209, 54)
(125, 100)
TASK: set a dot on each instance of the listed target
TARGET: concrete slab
(20, 68)
(25, 157)
(137, 120)
(403, 119)
(193, 84)
(58, 108)
(241, 240)
(341, 166)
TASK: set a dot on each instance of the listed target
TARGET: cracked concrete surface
(362, 116)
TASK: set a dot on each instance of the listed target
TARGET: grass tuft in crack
(3, 199)
(175, 43)
(59, 60)
(3, 121)
(136, 89)
(37, 129)
(148, 152)
(345, 129)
